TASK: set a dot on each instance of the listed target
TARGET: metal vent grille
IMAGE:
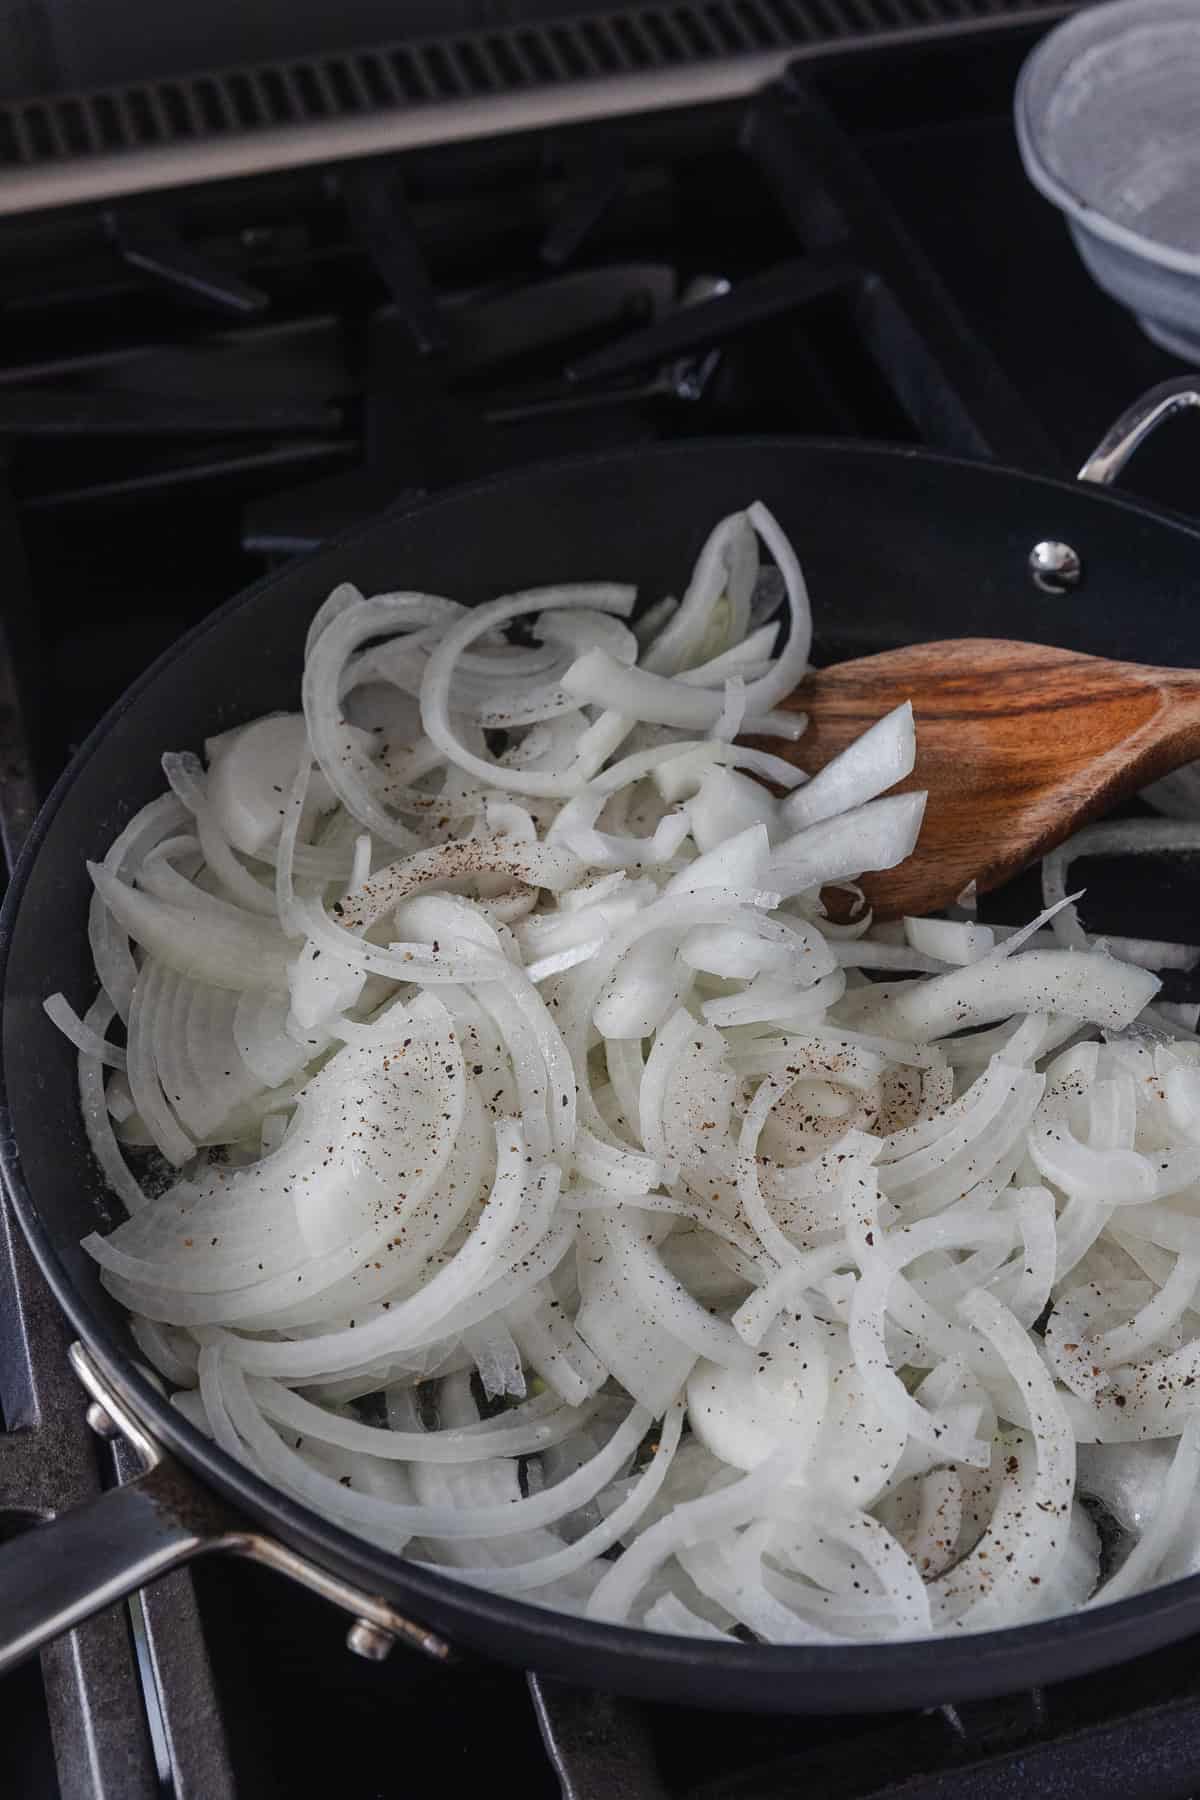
(163, 133)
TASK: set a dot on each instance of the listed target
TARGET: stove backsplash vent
(170, 132)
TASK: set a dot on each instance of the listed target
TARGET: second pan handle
(54, 1576)
(1136, 424)
(1057, 567)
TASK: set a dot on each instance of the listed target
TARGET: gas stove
(818, 226)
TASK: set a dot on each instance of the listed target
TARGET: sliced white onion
(1158, 1540)
(83, 1035)
(875, 836)
(1097, 990)
(951, 940)
(715, 609)
(435, 687)
(109, 945)
(228, 952)
(545, 1074)
(876, 761)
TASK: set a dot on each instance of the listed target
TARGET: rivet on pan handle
(54, 1576)
(1057, 568)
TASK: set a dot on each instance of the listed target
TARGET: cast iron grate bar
(152, 245)
(1064, 1744)
(48, 1461)
(954, 393)
(18, 784)
(380, 218)
(417, 434)
(754, 301)
(592, 189)
(60, 149)
(101, 1742)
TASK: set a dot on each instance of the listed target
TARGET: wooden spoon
(1018, 745)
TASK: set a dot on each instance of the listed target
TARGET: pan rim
(1081, 1641)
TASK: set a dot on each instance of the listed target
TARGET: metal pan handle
(1136, 424)
(59, 1574)
(54, 1576)
(1056, 567)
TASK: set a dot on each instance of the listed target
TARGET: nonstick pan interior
(897, 546)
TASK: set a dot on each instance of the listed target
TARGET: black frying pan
(898, 545)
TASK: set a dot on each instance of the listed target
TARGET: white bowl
(1108, 124)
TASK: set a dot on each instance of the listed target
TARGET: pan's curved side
(898, 546)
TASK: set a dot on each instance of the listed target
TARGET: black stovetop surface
(130, 540)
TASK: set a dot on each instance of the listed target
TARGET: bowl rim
(1114, 20)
